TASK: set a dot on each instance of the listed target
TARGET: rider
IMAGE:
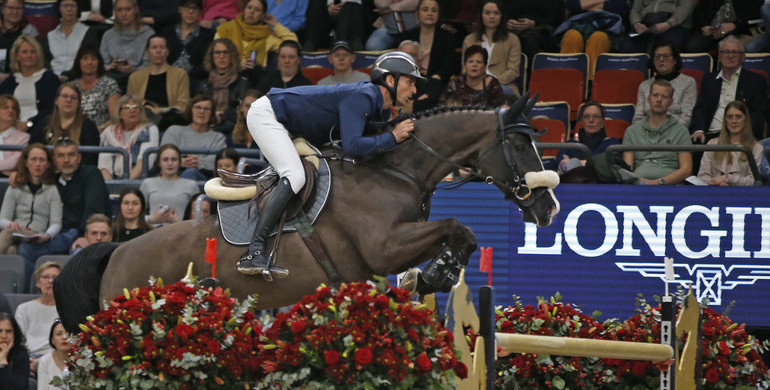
(311, 112)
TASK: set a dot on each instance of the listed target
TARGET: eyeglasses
(221, 52)
(731, 52)
(68, 97)
(131, 106)
(201, 108)
(663, 56)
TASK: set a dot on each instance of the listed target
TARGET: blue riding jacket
(312, 111)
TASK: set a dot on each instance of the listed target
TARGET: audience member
(164, 88)
(34, 317)
(289, 13)
(711, 23)
(216, 12)
(31, 209)
(12, 26)
(345, 20)
(123, 46)
(96, 13)
(197, 134)
(225, 84)
(31, 83)
(227, 159)
(658, 19)
(9, 118)
(159, 14)
(474, 86)
(534, 22)
(593, 27)
(591, 134)
(396, 16)
(732, 168)
(666, 64)
(67, 120)
(167, 194)
(438, 60)
(14, 359)
(342, 57)
(761, 43)
(503, 48)
(82, 191)
(131, 131)
(64, 41)
(659, 128)
(199, 206)
(289, 73)
(187, 42)
(100, 93)
(240, 137)
(255, 33)
(98, 229)
(130, 222)
(730, 83)
(53, 363)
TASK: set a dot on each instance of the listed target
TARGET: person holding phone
(709, 28)
(122, 46)
(167, 194)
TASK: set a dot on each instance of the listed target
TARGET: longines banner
(608, 242)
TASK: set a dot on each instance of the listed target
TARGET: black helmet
(395, 63)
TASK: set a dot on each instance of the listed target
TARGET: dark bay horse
(372, 224)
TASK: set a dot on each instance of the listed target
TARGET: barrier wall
(608, 242)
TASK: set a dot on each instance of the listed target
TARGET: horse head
(513, 165)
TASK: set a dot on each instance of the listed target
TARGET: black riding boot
(255, 260)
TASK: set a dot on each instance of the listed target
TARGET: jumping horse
(373, 223)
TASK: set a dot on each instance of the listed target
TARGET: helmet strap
(394, 89)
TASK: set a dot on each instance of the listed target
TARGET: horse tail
(76, 289)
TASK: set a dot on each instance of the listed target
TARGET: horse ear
(530, 103)
(516, 109)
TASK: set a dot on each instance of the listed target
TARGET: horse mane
(380, 127)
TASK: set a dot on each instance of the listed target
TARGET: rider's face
(406, 90)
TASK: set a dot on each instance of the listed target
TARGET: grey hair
(731, 39)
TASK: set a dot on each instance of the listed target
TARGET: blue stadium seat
(623, 112)
(622, 61)
(552, 110)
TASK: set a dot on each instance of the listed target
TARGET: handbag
(725, 14)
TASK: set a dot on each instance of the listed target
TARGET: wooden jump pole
(550, 345)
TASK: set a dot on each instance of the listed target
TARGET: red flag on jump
(485, 263)
(211, 255)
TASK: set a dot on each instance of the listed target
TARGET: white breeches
(275, 143)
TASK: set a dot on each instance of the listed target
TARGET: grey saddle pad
(238, 226)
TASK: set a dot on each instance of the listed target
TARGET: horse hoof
(409, 282)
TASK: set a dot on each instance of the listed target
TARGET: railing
(85, 149)
(256, 153)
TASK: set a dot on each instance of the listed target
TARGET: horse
(374, 222)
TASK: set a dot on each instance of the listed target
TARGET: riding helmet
(395, 63)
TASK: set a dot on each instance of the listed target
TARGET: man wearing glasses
(730, 83)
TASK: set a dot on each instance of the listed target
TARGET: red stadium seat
(556, 133)
(315, 74)
(616, 86)
(696, 74)
(559, 84)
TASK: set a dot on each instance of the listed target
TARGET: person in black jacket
(289, 73)
(706, 35)
(534, 22)
(14, 359)
(187, 43)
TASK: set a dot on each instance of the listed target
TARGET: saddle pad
(238, 226)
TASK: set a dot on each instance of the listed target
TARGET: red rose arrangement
(174, 337)
(363, 336)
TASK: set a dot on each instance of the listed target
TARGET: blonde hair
(54, 126)
(746, 136)
(24, 38)
(119, 108)
(137, 16)
(48, 264)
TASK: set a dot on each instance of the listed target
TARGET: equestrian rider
(311, 112)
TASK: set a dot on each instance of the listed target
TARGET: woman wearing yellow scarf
(255, 30)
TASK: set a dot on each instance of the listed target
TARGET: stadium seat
(17, 299)
(702, 62)
(316, 59)
(365, 59)
(556, 133)
(623, 112)
(11, 274)
(61, 259)
(757, 61)
(620, 61)
(577, 61)
(695, 74)
(559, 84)
(616, 86)
(315, 74)
(552, 110)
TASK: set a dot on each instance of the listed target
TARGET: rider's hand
(402, 130)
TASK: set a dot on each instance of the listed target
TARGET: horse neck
(458, 136)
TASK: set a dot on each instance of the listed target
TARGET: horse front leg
(447, 242)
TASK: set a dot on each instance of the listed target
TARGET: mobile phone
(162, 208)
(253, 55)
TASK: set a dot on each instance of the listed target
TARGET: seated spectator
(9, 118)
(14, 359)
(659, 128)
(82, 191)
(255, 33)
(167, 194)
(592, 134)
(67, 120)
(503, 48)
(98, 229)
(224, 84)
(130, 222)
(289, 13)
(216, 12)
(534, 23)
(227, 159)
(96, 14)
(289, 73)
(187, 42)
(240, 137)
(730, 83)
(732, 168)
(342, 57)
(123, 46)
(13, 25)
(100, 93)
(159, 14)
(710, 25)
(64, 41)
(31, 209)
(581, 32)
(761, 43)
(665, 63)
(349, 20)
(30, 83)
(474, 86)
(658, 19)
(396, 16)
(35, 317)
(164, 88)
(199, 206)
(53, 363)
(131, 131)
(197, 134)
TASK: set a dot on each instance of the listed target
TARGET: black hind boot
(255, 260)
